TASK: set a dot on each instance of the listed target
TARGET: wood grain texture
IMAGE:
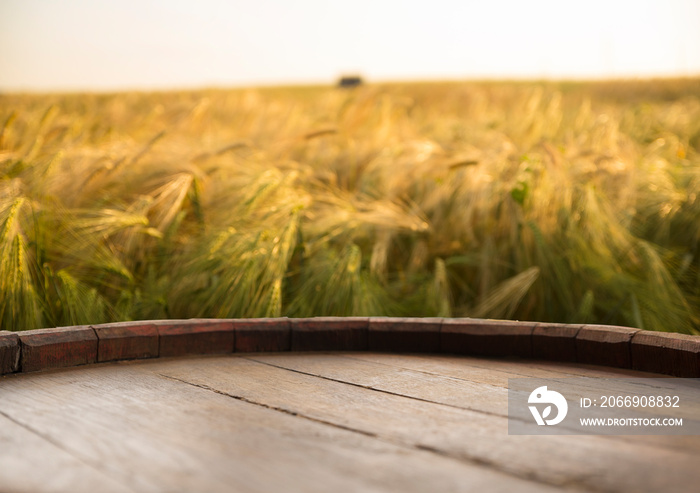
(487, 337)
(57, 348)
(556, 342)
(672, 354)
(470, 383)
(148, 426)
(408, 335)
(588, 462)
(262, 334)
(30, 462)
(195, 336)
(126, 340)
(590, 344)
(370, 372)
(329, 333)
(9, 352)
(605, 345)
(490, 370)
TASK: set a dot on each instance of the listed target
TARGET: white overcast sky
(127, 44)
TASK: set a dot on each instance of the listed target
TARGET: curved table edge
(612, 346)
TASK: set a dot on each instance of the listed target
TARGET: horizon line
(159, 88)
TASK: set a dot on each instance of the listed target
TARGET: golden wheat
(538, 201)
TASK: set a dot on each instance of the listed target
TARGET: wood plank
(31, 463)
(404, 334)
(126, 340)
(56, 348)
(195, 336)
(372, 374)
(487, 337)
(155, 433)
(555, 342)
(584, 461)
(502, 369)
(497, 373)
(605, 345)
(262, 334)
(674, 354)
(329, 333)
(9, 352)
(466, 391)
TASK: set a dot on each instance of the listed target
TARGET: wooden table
(285, 422)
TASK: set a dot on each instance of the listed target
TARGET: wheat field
(555, 202)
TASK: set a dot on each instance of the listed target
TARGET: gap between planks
(453, 368)
(177, 437)
(475, 461)
(582, 461)
(586, 462)
(272, 408)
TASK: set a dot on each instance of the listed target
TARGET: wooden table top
(311, 422)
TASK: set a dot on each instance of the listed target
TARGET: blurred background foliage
(555, 202)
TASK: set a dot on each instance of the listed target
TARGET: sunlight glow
(101, 44)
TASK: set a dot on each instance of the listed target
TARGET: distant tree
(350, 81)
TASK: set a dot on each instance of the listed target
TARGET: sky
(167, 44)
